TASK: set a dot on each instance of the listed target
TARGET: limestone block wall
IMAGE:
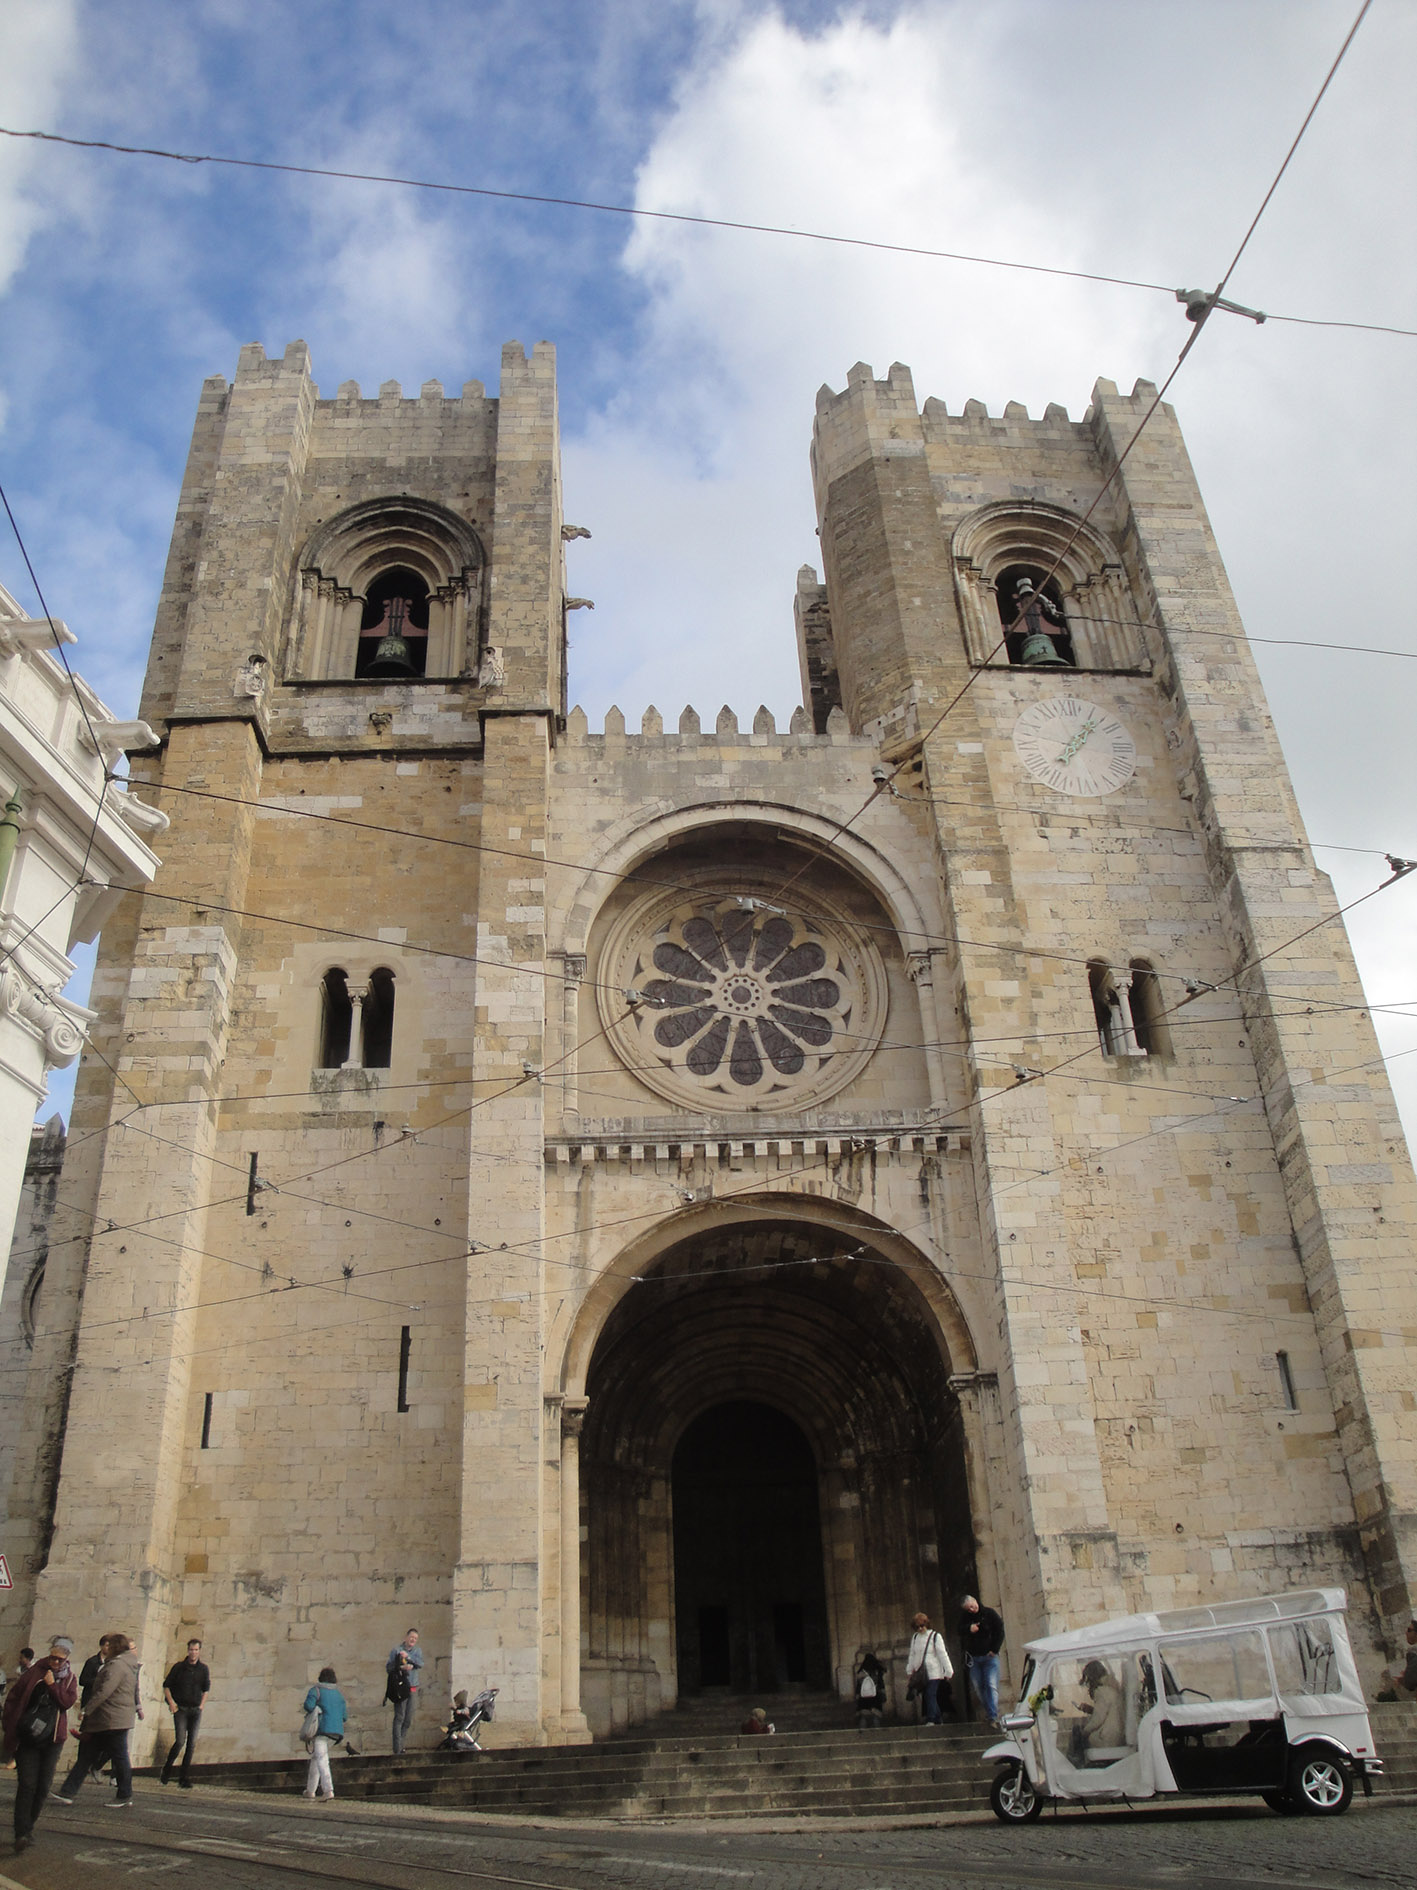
(1186, 1182)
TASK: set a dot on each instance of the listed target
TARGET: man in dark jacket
(36, 1724)
(981, 1633)
(89, 1672)
(185, 1690)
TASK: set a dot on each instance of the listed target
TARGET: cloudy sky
(1105, 135)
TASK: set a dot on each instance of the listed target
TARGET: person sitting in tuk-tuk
(1104, 1725)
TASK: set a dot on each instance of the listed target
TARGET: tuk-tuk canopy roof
(1128, 1629)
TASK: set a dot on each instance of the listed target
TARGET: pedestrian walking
(403, 1667)
(929, 1670)
(35, 1723)
(91, 1669)
(870, 1689)
(981, 1633)
(326, 1701)
(108, 1719)
(185, 1690)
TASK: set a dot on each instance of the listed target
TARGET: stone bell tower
(1124, 859)
(271, 938)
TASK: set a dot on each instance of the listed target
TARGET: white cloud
(1131, 141)
(40, 40)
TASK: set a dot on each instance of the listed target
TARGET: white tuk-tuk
(1251, 1696)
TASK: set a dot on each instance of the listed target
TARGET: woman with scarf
(35, 1722)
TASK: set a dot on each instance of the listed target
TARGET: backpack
(399, 1686)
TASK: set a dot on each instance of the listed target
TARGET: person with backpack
(403, 1667)
(325, 1701)
(870, 1690)
(35, 1722)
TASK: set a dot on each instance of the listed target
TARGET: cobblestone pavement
(228, 1841)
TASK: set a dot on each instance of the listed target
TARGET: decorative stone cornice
(55, 1023)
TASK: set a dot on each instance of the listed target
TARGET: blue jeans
(930, 1704)
(93, 1751)
(403, 1720)
(984, 1678)
(185, 1721)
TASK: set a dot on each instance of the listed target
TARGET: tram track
(305, 1858)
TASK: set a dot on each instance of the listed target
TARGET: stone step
(818, 1772)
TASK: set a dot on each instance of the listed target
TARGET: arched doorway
(766, 1389)
(750, 1599)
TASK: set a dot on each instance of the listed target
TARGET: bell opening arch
(775, 1469)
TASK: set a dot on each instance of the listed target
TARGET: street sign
(5, 1581)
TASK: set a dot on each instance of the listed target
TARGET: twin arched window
(356, 1021)
(1129, 1009)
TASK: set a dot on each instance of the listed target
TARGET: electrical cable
(669, 216)
(524, 1249)
(1022, 1078)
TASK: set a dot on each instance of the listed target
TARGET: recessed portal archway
(759, 1363)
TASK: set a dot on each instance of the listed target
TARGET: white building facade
(71, 843)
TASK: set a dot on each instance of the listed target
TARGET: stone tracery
(744, 1002)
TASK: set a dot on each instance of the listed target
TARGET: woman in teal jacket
(325, 1695)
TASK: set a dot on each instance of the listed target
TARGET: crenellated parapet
(725, 734)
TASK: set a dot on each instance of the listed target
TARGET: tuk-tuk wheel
(1013, 1797)
(1319, 1782)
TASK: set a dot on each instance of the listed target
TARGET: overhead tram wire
(757, 1189)
(958, 1048)
(641, 213)
(965, 1121)
(1067, 815)
(949, 1046)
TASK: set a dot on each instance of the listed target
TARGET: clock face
(1074, 746)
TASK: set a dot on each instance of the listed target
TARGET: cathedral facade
(653, 1208)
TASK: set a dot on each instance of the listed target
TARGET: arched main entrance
(772, 1468)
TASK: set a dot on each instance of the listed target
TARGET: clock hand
(1088, 728)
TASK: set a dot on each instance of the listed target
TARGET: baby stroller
(460, 1733)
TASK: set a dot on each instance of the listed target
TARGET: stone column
(573, 1720)
(920, 969)
(575, 965)
(356, 993)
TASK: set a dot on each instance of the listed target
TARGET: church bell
(1039, 651)
(393, 656)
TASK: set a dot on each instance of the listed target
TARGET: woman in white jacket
(929, 1669)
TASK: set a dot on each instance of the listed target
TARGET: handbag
(915, 1685)
(41, 1718)
(310, 1725)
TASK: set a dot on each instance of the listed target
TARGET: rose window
(741, 1003)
